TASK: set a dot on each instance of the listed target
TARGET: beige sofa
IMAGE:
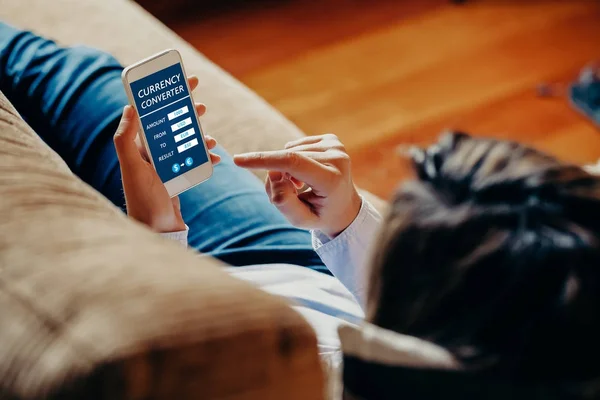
(93, 305)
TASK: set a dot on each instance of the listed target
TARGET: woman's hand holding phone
(331, 203)
(146, 197)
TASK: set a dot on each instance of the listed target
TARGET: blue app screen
(166, 111)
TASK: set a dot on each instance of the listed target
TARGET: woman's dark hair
(494, 253)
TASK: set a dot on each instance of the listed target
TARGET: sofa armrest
(96, 306)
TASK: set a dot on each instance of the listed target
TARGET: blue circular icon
(176, 168)
(189, 161)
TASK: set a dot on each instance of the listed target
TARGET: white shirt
(324, 301)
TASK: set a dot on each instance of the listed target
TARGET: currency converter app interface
(167, 116)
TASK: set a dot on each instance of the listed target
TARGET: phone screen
(166, 111)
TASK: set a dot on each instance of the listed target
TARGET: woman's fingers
(298, 184)
(193, 82)
(308, 140)
(211, 142)
(284, 196)
(124, 139)
(200, 109)
(316, 143)
(176, 202)
(321, 146)
(215, 158)
(268, 186)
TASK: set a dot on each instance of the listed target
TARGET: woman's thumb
(284, 196)
(124, 138)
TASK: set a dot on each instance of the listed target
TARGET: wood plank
(393, 80)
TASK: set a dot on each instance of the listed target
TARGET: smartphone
(158, 89)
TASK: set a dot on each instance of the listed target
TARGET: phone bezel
(147, 67)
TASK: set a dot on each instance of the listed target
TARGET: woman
(491, 253)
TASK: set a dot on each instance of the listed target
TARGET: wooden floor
(387, 73)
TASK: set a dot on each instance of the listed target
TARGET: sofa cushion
(96, 306)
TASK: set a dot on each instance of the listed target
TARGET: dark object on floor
(551, 89)
(585, 93)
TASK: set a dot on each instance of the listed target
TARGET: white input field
(181, 124)
(187, 145)
(178, 112)
(183, 135)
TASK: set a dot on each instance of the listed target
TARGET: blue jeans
(73, 98)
